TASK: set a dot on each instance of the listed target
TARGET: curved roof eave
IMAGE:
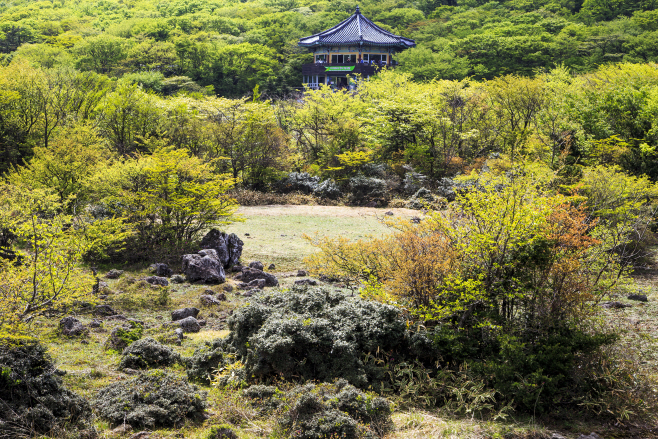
(351, 31)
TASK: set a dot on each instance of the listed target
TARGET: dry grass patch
(273, 234)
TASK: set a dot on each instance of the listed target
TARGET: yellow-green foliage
(169, 194)
(46, 274)
(510, 247)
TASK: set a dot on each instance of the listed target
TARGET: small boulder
(389, 213)
(228, 288)
(204, 266)
(249, 274)
(208, 300)
(95, 323)
(221, 297)
(104, 310)
(301, 273)
(310, 282)
(122, 336)
(72, 327)
(415, 220)
(179, 333)
(157, 280)
(256, 283)
(141, 435)
(183, 313)
(114, 274)
(258, 265)
(236, 268)
(638, 297)
(251, 292)
(162, 270)
(189, 324)
(272, 267)
(177, 279)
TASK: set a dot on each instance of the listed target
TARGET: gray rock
(204, 266)
(177, 279)
(114, 274)
(389, 213)
(228, 247)
(189, 324)
(258, 265)
(103, 286)
(104, 310)
(141, 435)
(221, 297)
(249, 274)
(157, 280)
(95, 324)
(129, 371)
(236, 268)
(183, 313)
(272, 267)
(614, 305)
(306, 282)
(209, 300)
(228, 288)
(72, 327)
(162, 270)
(250, 292)
(638, 297)
(589, 436)
(301, 273)
(415, 220)
(256, 283)
(179, 333)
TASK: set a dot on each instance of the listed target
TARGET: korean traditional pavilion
(354, 46)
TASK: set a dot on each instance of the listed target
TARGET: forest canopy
(229, 46)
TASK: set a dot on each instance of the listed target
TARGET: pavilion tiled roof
(356, 30)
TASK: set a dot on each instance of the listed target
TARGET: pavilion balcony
(324, 69)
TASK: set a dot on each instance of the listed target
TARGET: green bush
(315, 334)
(324, 410)
(147, 353)
(205, 361)
(153, 399)
(32, 397)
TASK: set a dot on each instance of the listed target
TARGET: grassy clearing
(89, 366)
(275, 232)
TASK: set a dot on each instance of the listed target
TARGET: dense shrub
(320, 335)
(147, 353)
(32, 397)
(298, 181)
(205, 361)
(153, 399)
(325, 410)
(365, 188)
(327, 189)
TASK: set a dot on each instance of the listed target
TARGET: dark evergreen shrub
(32, 397)
(324, 411)
(154, 399)
(147, 353)
(327, 189)
(364, 188)
(314, 334)
(298, 181)
(205, 361)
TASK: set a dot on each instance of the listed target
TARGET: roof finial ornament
(357, 9)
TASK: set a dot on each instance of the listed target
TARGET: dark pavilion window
(374, 57)
(343, 59)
